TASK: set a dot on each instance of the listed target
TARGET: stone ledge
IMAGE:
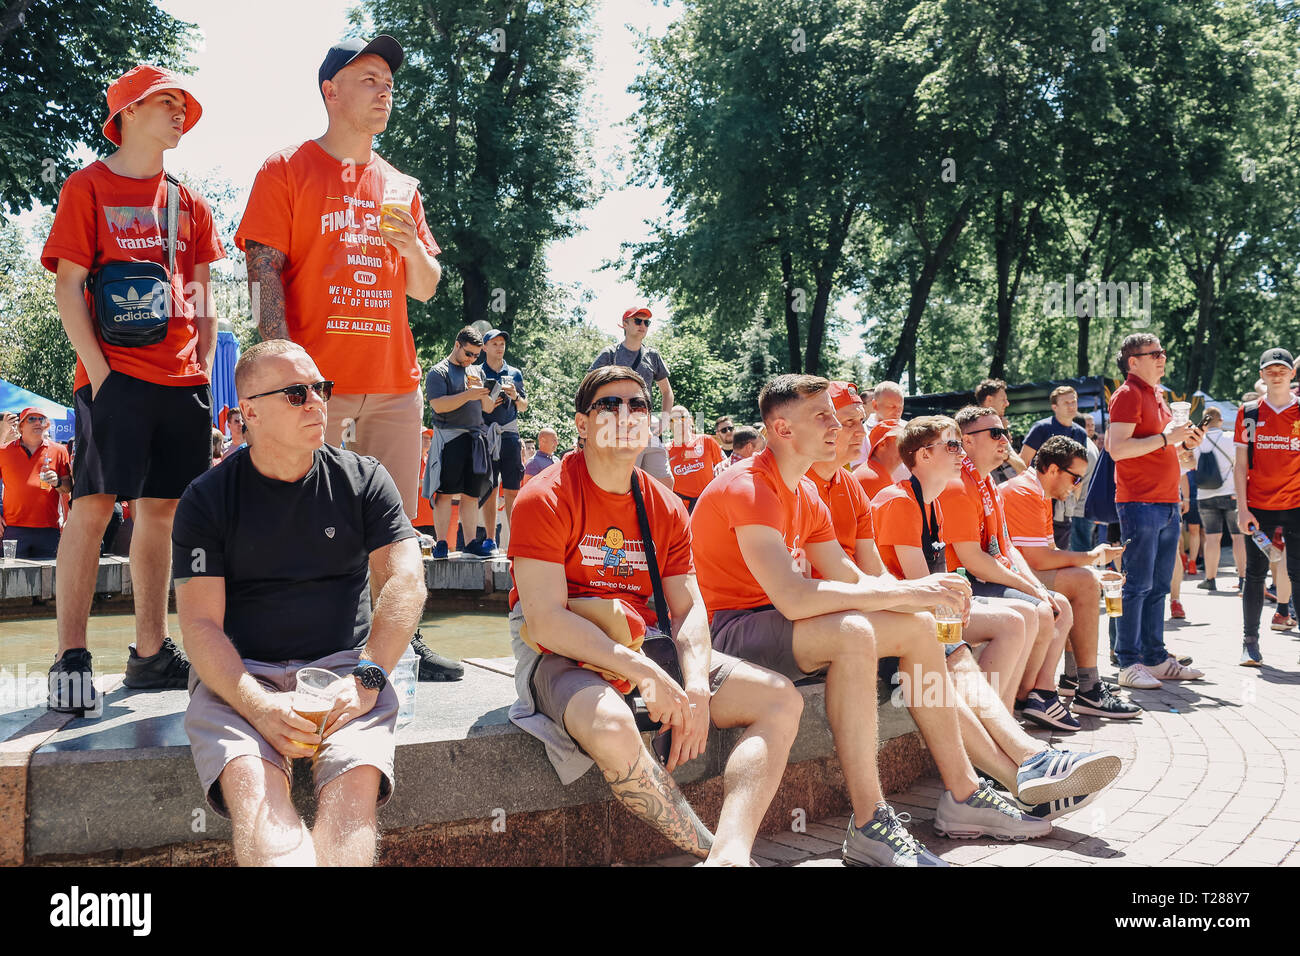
(123, 789)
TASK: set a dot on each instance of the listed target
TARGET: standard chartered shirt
(447, 379)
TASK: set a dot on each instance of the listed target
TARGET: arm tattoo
(647, 790)
(266, 290)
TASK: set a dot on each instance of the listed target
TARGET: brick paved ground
(1211, 770)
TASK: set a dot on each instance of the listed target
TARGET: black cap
(344, 52)
(493, 333)
(1276, 357)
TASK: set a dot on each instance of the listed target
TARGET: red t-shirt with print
(973, 512)
(344, 284)
(693, 464)
(1152, 477)
(566, 518)
(751, 493)
(1273, 483)
(27, 504)
(103, 217)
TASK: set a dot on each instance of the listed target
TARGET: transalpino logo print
(77, 909)
(140, 219)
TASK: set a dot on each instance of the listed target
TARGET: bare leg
(489, 511)
(1176, 582)
(1046, 651)
(1002, 629)
(442, 520)
(266, 829)
(511, 495)
(1083, 591)
(469, 513)
(151, 567)
(929, 695)
(1213, 545)
(599, 720)
(845, 644)
(768, 706)
(77, 566)
(996, 719)
(1238, 554)
(347, 830)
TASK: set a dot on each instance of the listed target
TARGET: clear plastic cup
(11, 551)
(399, 193)
(1182, 411)
(1113, 591)
(313, 695)
(948, 625)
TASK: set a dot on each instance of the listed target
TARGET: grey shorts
(760, 635)
(218, 734)
(558, 680)
(1219, 513)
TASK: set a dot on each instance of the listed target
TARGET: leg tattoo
(648, 791)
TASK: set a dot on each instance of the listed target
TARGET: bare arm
(1027, 453)
(449, 403)
(205, 317)
(867, 557)
(666, 393)
(397, 576)
(1017, 462)
(987, 568)
(69, 295)
(266, 289)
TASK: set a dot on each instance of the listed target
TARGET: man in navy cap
(334, 249)
(503, 425)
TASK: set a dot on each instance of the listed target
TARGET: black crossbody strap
(661, 603)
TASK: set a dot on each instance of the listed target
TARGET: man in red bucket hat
(134, 297)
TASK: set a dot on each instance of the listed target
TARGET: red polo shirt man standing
(34, 471)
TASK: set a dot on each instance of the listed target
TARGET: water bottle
(404, 683)
(1263, 542)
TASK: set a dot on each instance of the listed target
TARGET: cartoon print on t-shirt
(615, 553)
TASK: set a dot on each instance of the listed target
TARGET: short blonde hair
(246, 367)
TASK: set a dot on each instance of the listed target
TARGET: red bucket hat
(140, 82)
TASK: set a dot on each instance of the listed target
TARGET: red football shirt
(849, 507)
(1028, 510)
(693, 464)
(872, 477)
(1273, 484)
(751, 493)
(973, 512)
(27, 505)
(566, 518)
(103, 217)
(1153, 477)
(897, 519)
(344, 284)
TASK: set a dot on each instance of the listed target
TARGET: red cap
(642, 310)
(140, 82)
(890, 428)
(844, 394)
(30, 411)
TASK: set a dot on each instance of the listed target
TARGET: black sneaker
(1250, 655)
(1207, 585)
(1066, 686)
(169, 669)
(1100, 702)
(71, 681)
(433, 666)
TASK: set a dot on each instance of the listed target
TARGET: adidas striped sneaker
(1054, 774)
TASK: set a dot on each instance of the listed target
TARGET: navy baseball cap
(345, 51)
(1276, 357)
(493, 333)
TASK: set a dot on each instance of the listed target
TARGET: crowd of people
(701, 573)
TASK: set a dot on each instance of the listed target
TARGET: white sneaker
(1136, 675)
(1172, 670)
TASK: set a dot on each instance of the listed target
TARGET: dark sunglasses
(726, 428)
(995, 433)
(1077, 478)
(1158, 353)
(640, 321)
(297, 394)
(953, 445)
(612, 403)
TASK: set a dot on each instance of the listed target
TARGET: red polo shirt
(27, 505)
(850, 508)
(1153, 477)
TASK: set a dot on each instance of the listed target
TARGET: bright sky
(256, 78)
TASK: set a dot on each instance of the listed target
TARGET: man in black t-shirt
(273, 552)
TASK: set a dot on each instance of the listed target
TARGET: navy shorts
(510, 465)
(34, 544)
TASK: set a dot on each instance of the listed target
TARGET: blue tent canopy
(13, 398)
(223, 374)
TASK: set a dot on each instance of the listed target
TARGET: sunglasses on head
(953, 445)
(636, 405)
(297, 394)
(996, 433)
(640, 321)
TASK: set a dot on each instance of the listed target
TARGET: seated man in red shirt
(692, 457)
(758, 530)
(976, 529)
(883, 467)
(1059, 465)
(34, 471)
(577, 533)
(992, 739)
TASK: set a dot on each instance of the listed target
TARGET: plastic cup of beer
(10, 551)
(1113, 591)
(1182, 411)
(426, 546)
(399, 193)
(947, 625)
(313, 694)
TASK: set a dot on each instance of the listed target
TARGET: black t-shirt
(295, 555)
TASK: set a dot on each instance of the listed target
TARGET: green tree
(37, 354)
(489, 115)
(56, 60)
